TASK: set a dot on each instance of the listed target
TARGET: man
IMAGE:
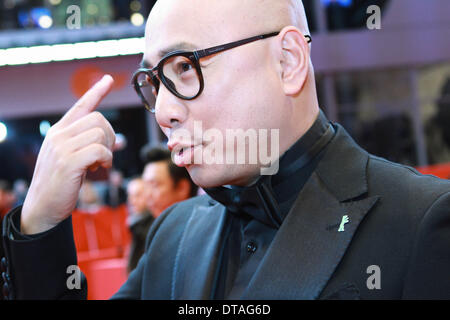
(136, 199)
(162, 185)
(7, 198)
(115, 195)
(139, 220)
(88, 200)
(333, 222)
(20, 188)
(167, 183)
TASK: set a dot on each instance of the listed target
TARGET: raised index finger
(89, 101)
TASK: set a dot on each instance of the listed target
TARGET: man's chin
(206, 177)
(210, 176)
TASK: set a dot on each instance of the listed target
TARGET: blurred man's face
(137, 197)
(7, 200)
(160, 188)
(115, 178)
(242, 89)
(2, 199)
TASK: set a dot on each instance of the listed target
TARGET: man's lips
(183, 155)
(177, 146)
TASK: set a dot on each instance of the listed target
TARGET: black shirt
(256, 213)
(139, 230)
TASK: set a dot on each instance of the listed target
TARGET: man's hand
(81, 140)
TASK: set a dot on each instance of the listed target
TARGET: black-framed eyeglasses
(181, 73)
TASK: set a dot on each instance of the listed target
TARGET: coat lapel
(308, 246)
(198, 255)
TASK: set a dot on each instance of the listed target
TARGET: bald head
(285, 13)
(270, 14)
(209, 18)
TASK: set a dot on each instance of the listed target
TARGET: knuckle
(52, 142)
(100, 151)
(77, 104)
(52, 133)
(98, 117)
(99, 134)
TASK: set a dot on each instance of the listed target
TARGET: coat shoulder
(406, 195)
(404, 181)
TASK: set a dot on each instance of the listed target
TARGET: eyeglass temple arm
(207, 52)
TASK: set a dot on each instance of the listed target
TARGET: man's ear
(294, 60)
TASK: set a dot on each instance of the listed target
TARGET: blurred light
(107, 49)
(63, 52)
(92, 9)
(3, 132)
(45, 22)
(44, 126)
(137, 19)
(121, 142)
(54, 2)
(135, 5)
(24, 18)
(342, 3)
(37, 54)
(74, 51)
(41, 17)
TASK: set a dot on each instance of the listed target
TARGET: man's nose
(170, 111)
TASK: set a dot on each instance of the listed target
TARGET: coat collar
(343, 168)
(308, 246)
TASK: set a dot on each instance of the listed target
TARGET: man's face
(115, 178)
(7, 200)
(2, 199)
(137, 197)
(241, 91)
(160, 188)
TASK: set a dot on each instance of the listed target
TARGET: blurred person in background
(88, 200)
(5, 206)
(115, 195)
(7, 198)
(166, 182)
(20, 188)
(139, 220)
(162, 185)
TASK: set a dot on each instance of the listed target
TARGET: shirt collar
(271, 197)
